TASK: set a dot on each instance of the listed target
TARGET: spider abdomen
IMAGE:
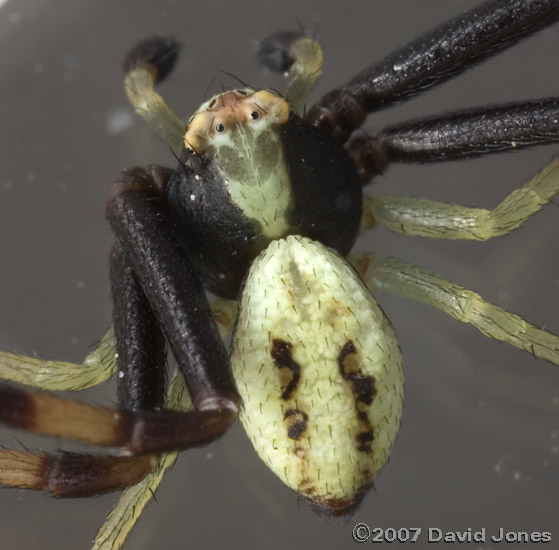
(319, 370)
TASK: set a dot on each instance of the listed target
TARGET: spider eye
(255, 115)
(220, 127)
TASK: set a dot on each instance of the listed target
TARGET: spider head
(221, 121)
(240, 133)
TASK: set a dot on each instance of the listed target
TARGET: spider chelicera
(307, 326)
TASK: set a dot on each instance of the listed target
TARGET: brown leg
(72, 475)
(139, 432)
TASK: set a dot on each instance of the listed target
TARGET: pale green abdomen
(319, 370)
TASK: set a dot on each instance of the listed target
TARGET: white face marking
(319, 370)
(251, 160)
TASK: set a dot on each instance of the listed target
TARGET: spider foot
(298, 57)
(147, 64)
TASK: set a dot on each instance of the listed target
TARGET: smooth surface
(479, 445)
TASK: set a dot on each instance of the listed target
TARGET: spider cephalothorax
(251, 172)
(264, 207)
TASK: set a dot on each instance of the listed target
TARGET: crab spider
(412, 217)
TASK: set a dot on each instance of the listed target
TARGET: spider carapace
(264, 208)
(252, 172)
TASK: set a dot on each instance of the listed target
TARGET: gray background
(479, 444)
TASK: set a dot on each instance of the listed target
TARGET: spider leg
(431, 59)
(76, 475)
(148, 259)
(140, 432)
(147, 65)
(458, 135)
(98, 366)
(140, 343)
(122, 518)
(71, 474)
(299, 58)
(426, 218)
(395, 277)
(45, 374)
(137, 213)
(140, 475)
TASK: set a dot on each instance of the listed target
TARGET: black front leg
(458, 135)
(156, 293)
(140, 344)
(137, 214)
(157, 296)
(431, 59)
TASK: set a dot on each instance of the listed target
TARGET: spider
(364, 386)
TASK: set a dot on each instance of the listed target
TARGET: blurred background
(479, 443)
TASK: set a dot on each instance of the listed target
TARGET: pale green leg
(395, 277)
(97, 367)
(304, 72)
(123, 517)
(139, 85)
(426, 218)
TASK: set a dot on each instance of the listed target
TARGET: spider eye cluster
(230, 110)
(220, 127)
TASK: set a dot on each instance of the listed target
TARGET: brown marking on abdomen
(296, 422)
(290, 371)
(364, 391)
